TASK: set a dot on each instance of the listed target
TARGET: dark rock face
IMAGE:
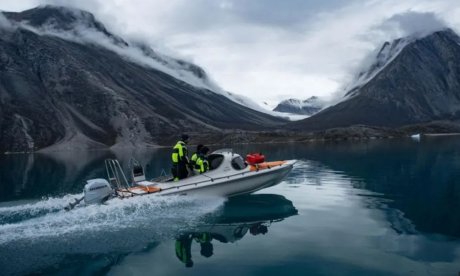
(309, 106)
(55, 92)
(420, 84)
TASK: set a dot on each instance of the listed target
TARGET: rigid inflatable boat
(229, 175)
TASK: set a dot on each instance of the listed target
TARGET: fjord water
(389, 207)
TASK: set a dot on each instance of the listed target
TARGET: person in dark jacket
(206, 247)
(179, 158)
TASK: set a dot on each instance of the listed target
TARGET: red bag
(255, 158)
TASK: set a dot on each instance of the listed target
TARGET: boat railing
(115, 174)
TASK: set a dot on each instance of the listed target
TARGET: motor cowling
(97, 191)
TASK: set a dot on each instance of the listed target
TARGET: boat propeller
(73, 204)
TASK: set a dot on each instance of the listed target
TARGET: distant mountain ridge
(410, 81)
(67, 82)
(309, 106)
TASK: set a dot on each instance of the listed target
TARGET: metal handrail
(115, 174)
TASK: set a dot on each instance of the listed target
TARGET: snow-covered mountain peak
(374, 63)
(313, 101)
(296, 106)
(293, 102)
(409, 81)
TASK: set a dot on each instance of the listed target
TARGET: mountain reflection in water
(389, 207)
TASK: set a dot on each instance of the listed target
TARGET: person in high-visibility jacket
(184, 249)
(195, 157)
(202, 164)
(180, 159)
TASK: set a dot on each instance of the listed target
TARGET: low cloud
(138, 52)
(405, 27)
(267, 48)
(4, 22)
(411, 23)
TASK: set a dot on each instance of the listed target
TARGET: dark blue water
(376, 208)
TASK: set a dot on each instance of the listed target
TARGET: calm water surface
(375, 208)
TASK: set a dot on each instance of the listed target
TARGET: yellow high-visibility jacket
(201, 165)
(179, 153)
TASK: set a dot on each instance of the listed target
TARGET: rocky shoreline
(232, 137)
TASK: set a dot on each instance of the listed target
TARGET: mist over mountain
(67, 82)
(411, 80)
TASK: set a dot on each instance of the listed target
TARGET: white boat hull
(243, 183)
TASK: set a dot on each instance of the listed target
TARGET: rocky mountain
(309, 106)
(411, 80)
(69, 83)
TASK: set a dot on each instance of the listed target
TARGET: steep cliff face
(57, 88)
(411, 81)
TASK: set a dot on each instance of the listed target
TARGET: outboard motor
(97, 191)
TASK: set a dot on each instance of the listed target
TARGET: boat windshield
(238, 163)
(215, 160)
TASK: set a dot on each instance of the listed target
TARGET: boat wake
(47, 218)
(33, 234)
(13, 212)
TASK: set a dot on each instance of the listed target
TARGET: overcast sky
(268, 50)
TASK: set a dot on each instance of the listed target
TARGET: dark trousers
(179, 171)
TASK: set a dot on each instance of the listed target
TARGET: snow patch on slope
(24, 125)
